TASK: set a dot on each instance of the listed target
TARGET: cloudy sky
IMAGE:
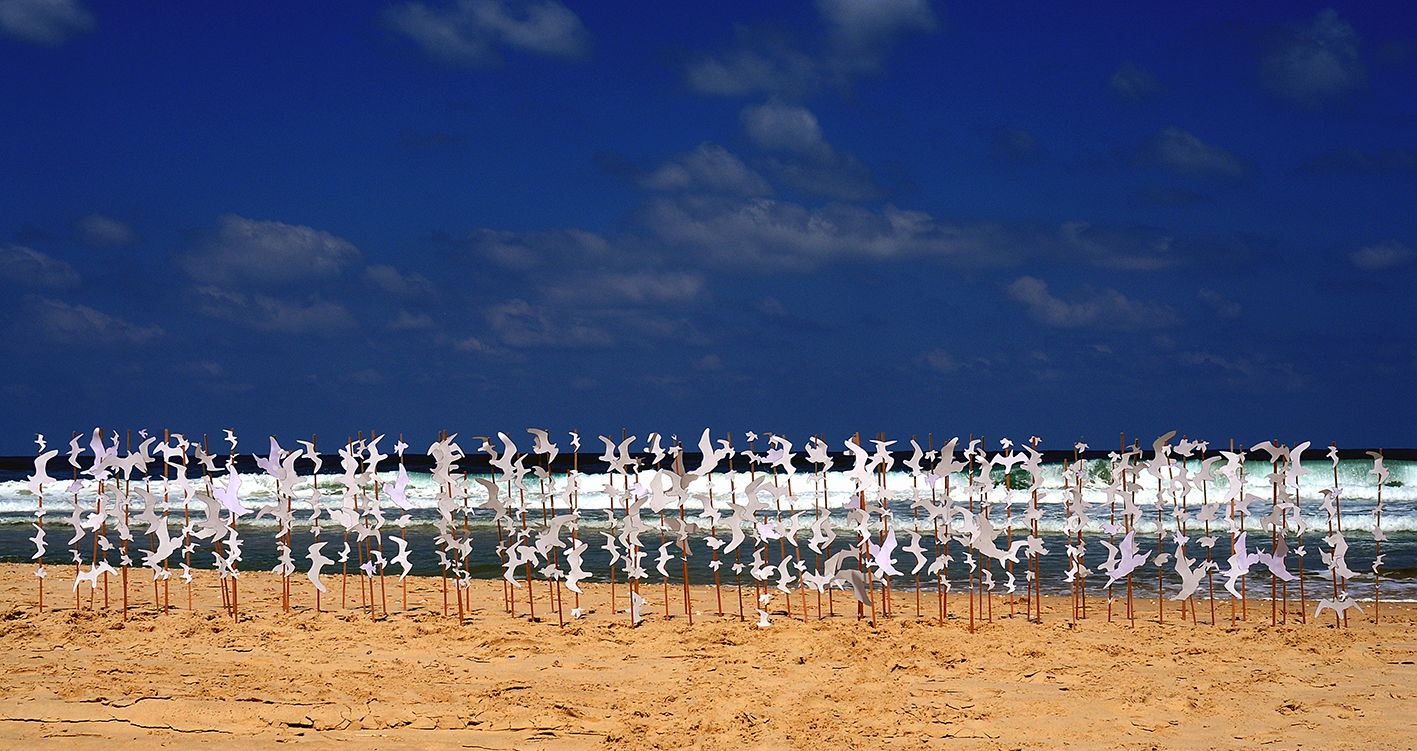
(1017, 219)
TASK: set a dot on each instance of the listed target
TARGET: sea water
(811, 493)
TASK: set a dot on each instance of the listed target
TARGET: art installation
(968, 525)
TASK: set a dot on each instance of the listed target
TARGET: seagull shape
(611, 548)
(637, 604)
(917, 454)
(91, 576)
(38, 541)
(271, 463)
(881, 554)
(654, 449)
(916, 550)
(1130, 558)
(399, 492)
(402, 557)
(166, 546)
(229, 494)
(517, 555)
(982, 539)
(768, 531)
(664, 558)
(76, 519)
(711, 456)
(781, 454)
(1275, 561)
(541, 444)
(1190, 577)
(317, 562)
(492, 504)
(618, 458)
(41, 476)
(822, 534)
(784, 577)
(817, 453)
(763, 621)
(859, 583)
(1339, 607)
(573, 562)
(1240, 563)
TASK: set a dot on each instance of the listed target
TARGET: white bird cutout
(402, 557)
(229, 494)
(1339, 607)
(317, 562)
(1240, 563)
(881, 558)
(399, 492)
(637, 604)
(1129, 560)
(914, 549)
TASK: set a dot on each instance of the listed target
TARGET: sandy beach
(416, 679)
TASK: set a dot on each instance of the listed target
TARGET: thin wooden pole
(1378, 550)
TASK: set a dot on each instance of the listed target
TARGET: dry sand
(81, 680)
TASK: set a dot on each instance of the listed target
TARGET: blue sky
(1020, 219)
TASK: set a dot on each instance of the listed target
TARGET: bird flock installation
(1172, 521)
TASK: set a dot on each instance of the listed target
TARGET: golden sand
(416, 679)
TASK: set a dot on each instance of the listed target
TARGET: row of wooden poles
(981, 600)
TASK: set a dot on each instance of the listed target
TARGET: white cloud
(765, 234)
(772, 307)
(628, 288)
(710, 168)
(1316, 63)
(1107, 309)
(266, 313)
(1132, 82)
(1223, 306)
(768, 67)
(99, 231)
(476, 31)
(859, 34)
(843, 177)
(470, 344)
(525, 250)
(521, 325)
(1124, 249)
(862, 32)
(398, 283)
(771, 235)
(1183, 153)
(776, 126)
(1012, 144)
(35, 269)
(406, 321)
(62, 322)
(240, 250)
(804, 160)
(939, 361)
(1245, 370)
(1388, 255)
(45, 22)
(363, 377)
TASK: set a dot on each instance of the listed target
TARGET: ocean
(831, 492)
